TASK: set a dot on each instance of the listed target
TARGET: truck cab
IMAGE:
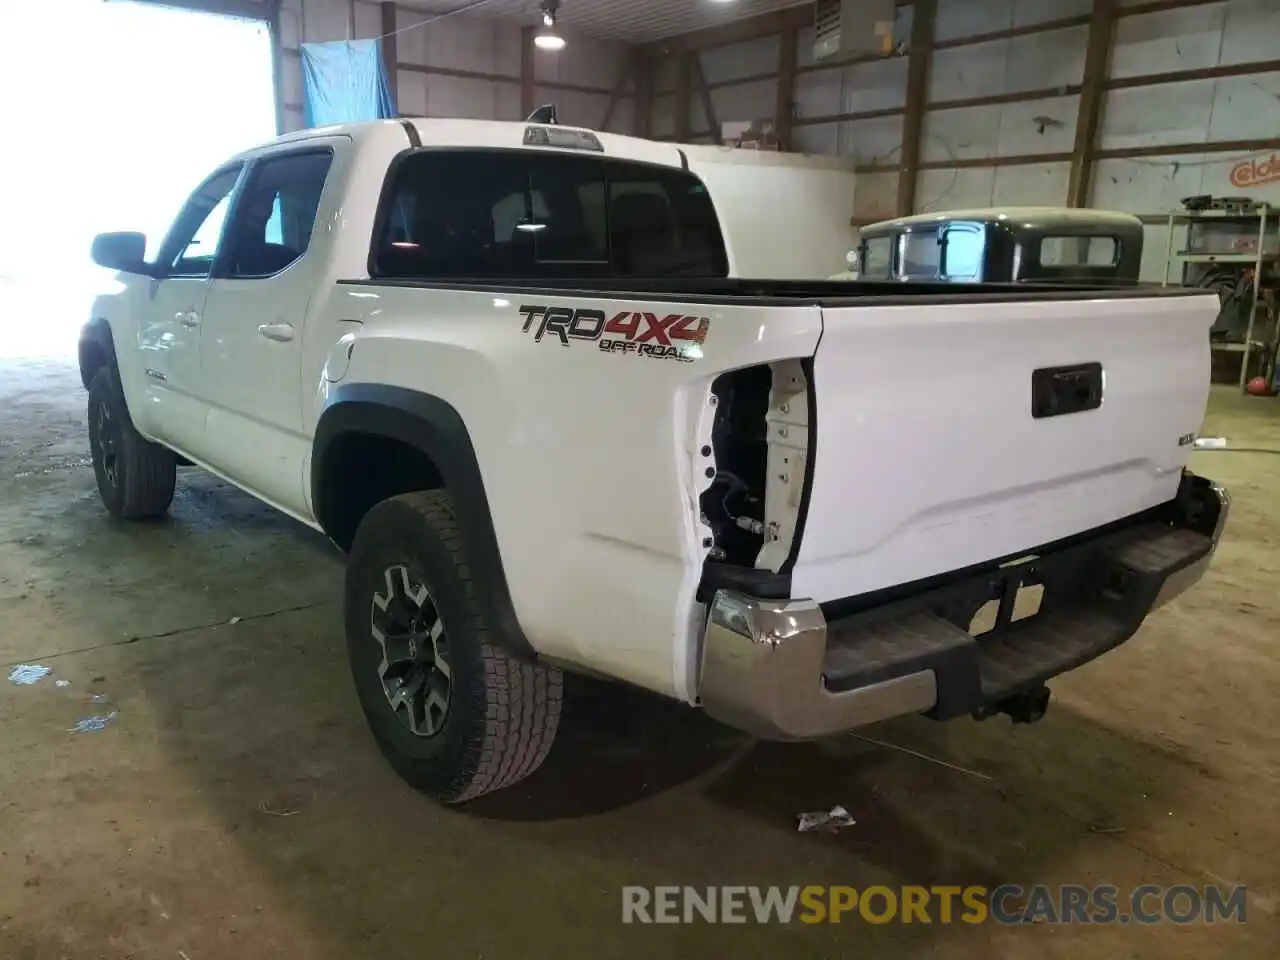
(1005, 245)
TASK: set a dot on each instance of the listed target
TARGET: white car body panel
(590, 460)
(168, 317)
(929, 461)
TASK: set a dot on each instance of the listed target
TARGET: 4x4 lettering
(685, 329)
(625, 324)
(629, 332)
(657, 329)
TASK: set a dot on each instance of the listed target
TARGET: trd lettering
(672, 336)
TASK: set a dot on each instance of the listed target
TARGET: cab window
(963, 247)
(462, 214)
(276, 214)
(876, 259)
(1079, 251)
(192, 244)
(920, 255)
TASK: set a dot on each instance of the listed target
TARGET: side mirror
(121, 251)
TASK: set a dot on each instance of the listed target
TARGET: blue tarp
(344, 81)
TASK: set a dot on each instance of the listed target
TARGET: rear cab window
(876, 260)
(920, 255)
(518, 214)
(963, 250)
(1081, 250)
(952, 251)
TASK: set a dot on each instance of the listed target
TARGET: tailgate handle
(1059, 390)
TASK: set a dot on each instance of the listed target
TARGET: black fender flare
(95, 335)
(432, 426)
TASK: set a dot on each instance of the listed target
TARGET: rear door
(953, 433)
(252, 328)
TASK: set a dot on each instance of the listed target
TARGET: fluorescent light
(548, 39)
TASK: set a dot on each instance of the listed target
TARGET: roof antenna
(544, 114)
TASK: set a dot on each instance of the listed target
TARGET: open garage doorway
(113, 111)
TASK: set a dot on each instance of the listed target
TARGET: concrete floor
(236, 808)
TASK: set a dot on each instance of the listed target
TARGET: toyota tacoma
(511, 371)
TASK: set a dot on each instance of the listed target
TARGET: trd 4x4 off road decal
(672, 336)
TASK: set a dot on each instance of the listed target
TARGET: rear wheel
(135, 477)
(452, 712)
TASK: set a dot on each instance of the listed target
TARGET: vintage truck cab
(1003, 245)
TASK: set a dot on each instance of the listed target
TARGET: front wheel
(452, 712)
(135, 477)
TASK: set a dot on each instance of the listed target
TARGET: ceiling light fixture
(547, 38)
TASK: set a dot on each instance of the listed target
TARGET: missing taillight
(760, 440)
(734, 503)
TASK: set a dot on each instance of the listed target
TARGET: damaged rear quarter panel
(590, 450)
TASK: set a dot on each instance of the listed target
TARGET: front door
(253, 325)
(169, 328)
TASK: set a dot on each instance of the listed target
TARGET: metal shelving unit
(1267, 249)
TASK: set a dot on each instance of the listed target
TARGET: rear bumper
(794, 669)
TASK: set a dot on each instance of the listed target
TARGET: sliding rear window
(482, 214)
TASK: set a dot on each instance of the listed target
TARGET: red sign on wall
(1256, 171)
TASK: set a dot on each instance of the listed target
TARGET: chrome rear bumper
(779, 670)
(762, 672)
(1182, 580)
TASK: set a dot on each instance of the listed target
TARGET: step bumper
(782, 670)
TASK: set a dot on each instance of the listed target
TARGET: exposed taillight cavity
(760, 440)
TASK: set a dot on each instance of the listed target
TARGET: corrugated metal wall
(1001, 104)
(1195, 111)
(464, 67)
(1018, 151)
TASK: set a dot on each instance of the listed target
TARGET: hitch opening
(1026, 707)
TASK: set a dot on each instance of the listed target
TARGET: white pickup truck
(509, 370)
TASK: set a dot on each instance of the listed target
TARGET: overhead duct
(844, 29)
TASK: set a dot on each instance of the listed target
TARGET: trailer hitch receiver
(1026, 707)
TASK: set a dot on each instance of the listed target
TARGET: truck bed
(893, 432)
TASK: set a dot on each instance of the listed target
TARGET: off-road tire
(135, 476)
(502, 712)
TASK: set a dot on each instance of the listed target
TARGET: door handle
(279, 332)
(189, 318)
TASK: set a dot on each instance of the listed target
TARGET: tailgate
(929, 457)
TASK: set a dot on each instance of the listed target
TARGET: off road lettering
(638, 333)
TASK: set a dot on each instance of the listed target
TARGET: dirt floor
(234, 806)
